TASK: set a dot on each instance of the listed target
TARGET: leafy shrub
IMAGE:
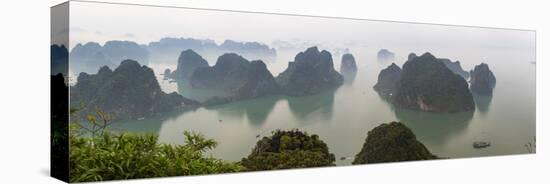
(128, 156)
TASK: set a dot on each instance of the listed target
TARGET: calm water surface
(342, 117)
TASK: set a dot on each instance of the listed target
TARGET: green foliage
(128, 156)
(392, 142)
(288, 149)
(96, 154)
(96, 124)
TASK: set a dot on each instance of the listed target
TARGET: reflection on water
(482, 103)
(349, 78)
(201, 95)
(303, 107)
(255, 110)
(151, 124)
(434, 128)
(384, 97)
(431, 128)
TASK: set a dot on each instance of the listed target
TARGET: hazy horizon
(142, 24)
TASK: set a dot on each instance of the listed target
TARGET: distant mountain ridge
(168, 48)
(90, 56)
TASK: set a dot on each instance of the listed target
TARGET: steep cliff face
(392, 142)
(426, 84)
(310, 73)
(387, 80)
(482, 80)
(238, 77)
(229, 73)
(130, 91)
(188, 62)
(260, 82)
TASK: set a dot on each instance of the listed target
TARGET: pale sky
(100, 22)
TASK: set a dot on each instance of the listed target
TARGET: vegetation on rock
(288, 149)
(238, 77)
(387, 80)
(312, 72)
(392, 142)
(426, 84)
(188, 62)
(131, 91)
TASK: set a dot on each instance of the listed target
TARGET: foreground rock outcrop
(288, 149)
(311, 72)
(131, 91)
(392, 142)
(482, 80)
(426, 84)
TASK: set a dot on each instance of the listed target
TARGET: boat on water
(346, 158)
(481, 144)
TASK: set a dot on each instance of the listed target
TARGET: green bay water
(343, 116)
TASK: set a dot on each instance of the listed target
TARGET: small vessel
(481, 144)
(345, 158)
(257, 136)
(142, 118)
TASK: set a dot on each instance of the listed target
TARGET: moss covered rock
(288, 149)
(392, 142)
